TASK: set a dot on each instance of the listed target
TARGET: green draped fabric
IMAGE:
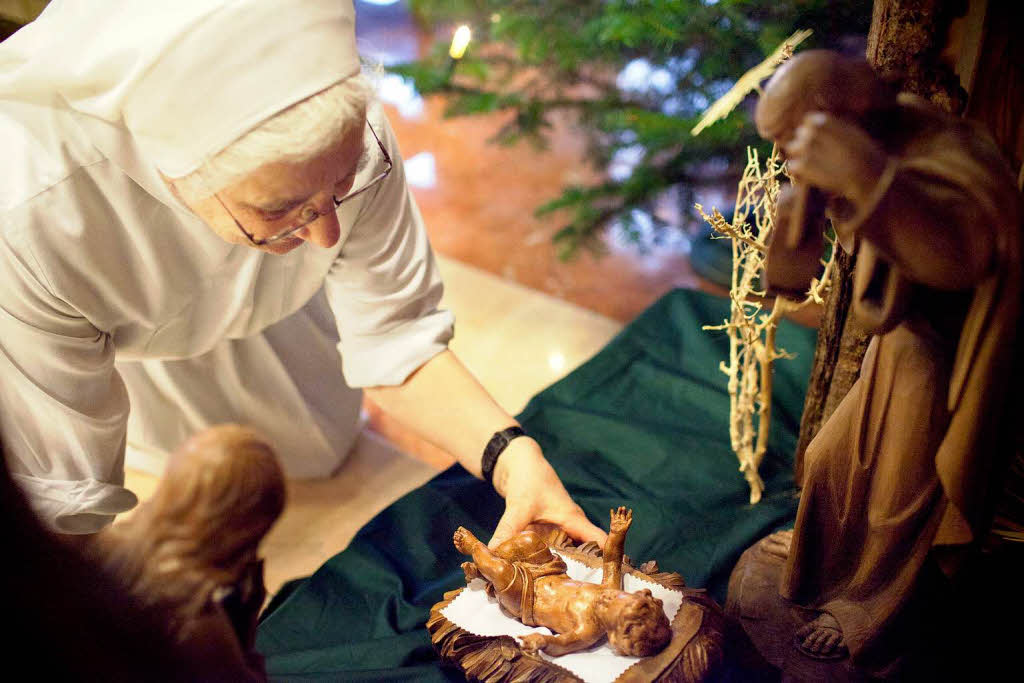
(643, 424)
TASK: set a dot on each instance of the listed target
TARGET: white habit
(123, 317)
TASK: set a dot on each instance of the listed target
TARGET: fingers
(835, 155)
(823, 641)
(574, 522)
(803, 150)
(512, 522)
(470, 571)
(621, 519)
(821, 148)
(532, 642)
(815, 641)
(579, 527)
(819, 640)
(815, 128)
(534, 493)
(777, 545)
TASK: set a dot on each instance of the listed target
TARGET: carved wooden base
(694, 653)
(771, 622)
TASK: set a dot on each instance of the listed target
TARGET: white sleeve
(384, 287)
(63, 407)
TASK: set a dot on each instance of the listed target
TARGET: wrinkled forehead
(281, 183)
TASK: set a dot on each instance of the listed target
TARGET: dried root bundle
(752, 324)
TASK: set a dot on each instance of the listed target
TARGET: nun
(204, 218)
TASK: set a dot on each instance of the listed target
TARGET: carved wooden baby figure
(531, 583)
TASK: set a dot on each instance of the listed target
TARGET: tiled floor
(478, 198)
(479, 209)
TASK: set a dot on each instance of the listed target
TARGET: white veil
(173, 82)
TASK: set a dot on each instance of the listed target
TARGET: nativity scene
(214, 263)
(588, 602)
(536, 589)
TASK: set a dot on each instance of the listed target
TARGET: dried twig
(749, 82)
(751, 329)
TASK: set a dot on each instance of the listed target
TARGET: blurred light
(556, 361)
(641, 76)
(383, 3)
(495, 18)
(398, 49)
(400, 92)
(460, 41)
(661, 80)
(639, 232)
(624, 160)
(634, 75)
(421, 171)
(674, 106)
(720, 87)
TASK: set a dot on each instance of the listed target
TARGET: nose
(324, 231)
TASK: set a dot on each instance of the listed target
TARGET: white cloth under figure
(474, 611)
(123, 317)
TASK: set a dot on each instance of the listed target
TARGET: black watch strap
(494, 448)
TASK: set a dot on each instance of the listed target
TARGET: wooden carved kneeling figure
(531, 583)
(189, 555)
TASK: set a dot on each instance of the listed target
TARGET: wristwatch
(494, 448)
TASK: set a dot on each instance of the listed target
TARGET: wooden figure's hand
(835, 155)
(621, 520)
(533, 642)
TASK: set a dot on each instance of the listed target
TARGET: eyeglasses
(309, 213)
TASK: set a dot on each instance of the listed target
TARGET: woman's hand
(444, 403)
(534, 493)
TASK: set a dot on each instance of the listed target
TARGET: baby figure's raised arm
(611, 576)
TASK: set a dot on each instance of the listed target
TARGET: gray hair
(300, 132)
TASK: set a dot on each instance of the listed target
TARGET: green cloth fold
(643, 424)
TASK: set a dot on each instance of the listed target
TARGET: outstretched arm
(563, 643)
(462, 424)
(613, 547)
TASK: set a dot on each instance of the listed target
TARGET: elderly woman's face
(272, 198)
